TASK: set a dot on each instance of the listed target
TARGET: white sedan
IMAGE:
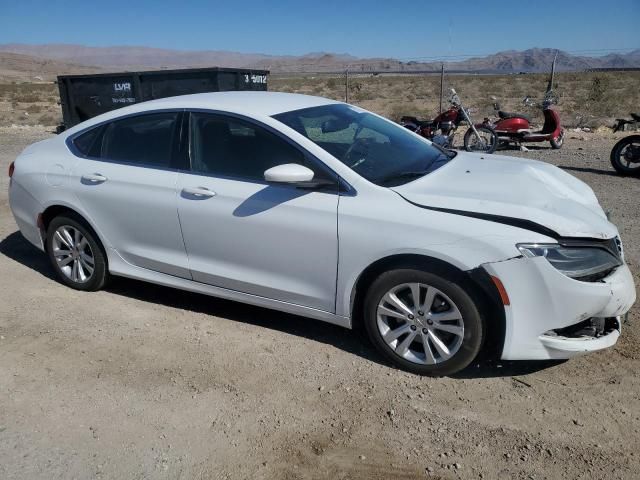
(322, 209)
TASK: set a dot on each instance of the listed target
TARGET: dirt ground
(140, 381)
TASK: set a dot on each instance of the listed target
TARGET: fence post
(346, 85)
(553, 72)
(441, 86)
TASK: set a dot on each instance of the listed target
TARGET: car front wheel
(75, 254)
(422, 322)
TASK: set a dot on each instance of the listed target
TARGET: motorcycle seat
(505, 115)
(415, 121)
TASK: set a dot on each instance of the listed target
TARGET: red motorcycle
(441, 130)
(515, 127)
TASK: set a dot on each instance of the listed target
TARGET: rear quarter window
(88, 143)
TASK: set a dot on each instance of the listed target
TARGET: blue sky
(406, 30)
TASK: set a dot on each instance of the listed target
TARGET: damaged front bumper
(552, 316)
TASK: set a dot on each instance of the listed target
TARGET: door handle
(198, 192)
(93, 178)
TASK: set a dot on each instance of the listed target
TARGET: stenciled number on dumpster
(255, 78)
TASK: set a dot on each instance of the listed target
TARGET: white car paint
(305, 253)
(514, 187)
(241, 242)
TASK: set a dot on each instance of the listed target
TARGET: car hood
(511, 188)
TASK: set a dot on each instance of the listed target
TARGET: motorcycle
(625, 155)
(442, 128)
(621, 123)
(516, 128)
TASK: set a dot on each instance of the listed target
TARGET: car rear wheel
(422, 322)
(75, 254)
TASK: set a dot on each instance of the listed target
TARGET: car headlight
(575, 262)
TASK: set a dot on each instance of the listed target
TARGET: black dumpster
(85, 96)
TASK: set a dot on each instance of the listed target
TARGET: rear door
(126, 182)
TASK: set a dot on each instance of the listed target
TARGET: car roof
(256, 103)
(251, 104)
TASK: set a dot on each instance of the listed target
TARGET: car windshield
(381, 151)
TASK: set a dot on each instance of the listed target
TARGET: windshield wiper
(411, 174)
(403, 175)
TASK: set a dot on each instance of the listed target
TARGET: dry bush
(26, 98)
(586, 98)
(50, 119)
(31, 109)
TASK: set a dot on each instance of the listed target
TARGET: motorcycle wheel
(556, 143)
(625, 156)
(487, 143)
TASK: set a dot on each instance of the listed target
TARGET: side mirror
(289, 173)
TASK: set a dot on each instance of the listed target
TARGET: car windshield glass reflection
(381, 151)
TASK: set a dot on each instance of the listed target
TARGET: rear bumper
(543, 300)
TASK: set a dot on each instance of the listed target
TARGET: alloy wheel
(420, 323)
(73, 254)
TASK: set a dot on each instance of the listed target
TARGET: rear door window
(145, 140)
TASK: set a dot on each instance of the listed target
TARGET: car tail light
(12, 167)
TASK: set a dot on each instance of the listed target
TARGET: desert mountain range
(21, 60)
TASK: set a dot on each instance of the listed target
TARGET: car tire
(76, 254)
(441, 298)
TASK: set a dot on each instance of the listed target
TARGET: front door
(275, 241)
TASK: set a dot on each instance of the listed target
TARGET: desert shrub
(598, 89)
(397, 110)
(49, 119)
(31, 109)
(355, 87)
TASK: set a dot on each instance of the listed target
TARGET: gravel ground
(140, 381)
